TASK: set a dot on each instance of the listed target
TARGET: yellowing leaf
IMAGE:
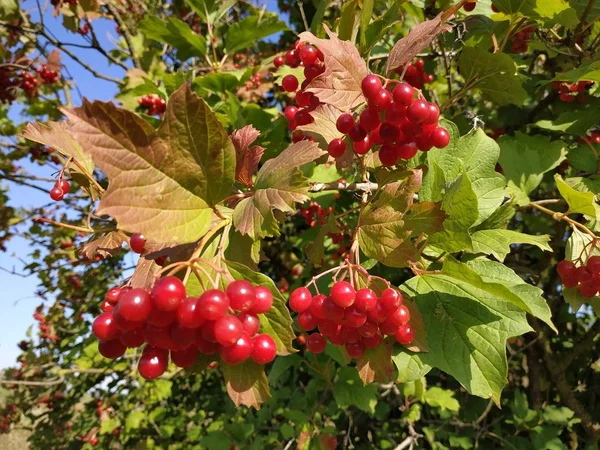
(323, 127)
(246, 383)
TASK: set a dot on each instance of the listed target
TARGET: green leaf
(347, 25)
(280, 184)
(211, 10)
(552, 11)
(366, 14)
(215, 83)
(579, 202)
(376, 364)
(348, 390)
(437, 397)
(498, 242)
(410, 366)
(246, 383)
(525, 159)
(576, 122)
(8, 9)
(387, 225)
(246, 32)
(107, 426)
(315, 251)
(494, 74)
(277, 322)
(472, 323)
(134, 420)
(166, 181)
(559, 415)
(583, 158)
(175, 33)
(380, 26)
(587, 71)
(317, 21)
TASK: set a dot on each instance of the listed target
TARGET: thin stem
(64, 225)
(563, 216)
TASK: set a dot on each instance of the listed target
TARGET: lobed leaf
(498, 242)
(106, 245)
(246, 32)
(246, 383)
(247, 158)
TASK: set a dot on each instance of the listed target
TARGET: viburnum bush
(369, 224)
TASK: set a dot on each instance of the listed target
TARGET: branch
(126, 35)
(343, 186)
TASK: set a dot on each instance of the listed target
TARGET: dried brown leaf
(247, 158)
(106, 245)
(418, 39)
(376, 364)
(144, 273)
(53, 61)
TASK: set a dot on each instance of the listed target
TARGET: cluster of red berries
(60, 188)
(253, 82)
(169, 321)
(569, 92)
(468, 7)
(355, 319)
(408, 125)
(154, 104)
(592, 138)
(415, 74)
(315, 214)
(60, 2)
(242, 59)
(8, 85)
(311, 58)
(44, 326)
(8, 417)
(28, 83)
(586, 277)
(521, 39)
(48, 76)
(84, 29)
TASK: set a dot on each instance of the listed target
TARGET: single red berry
(391, 299)
(371, 86)
(159, 337)
(343, 294)
(418, 111)
(583, 274)
(333, 311)
(372, 342)
(401, 316)
(135, 305)
(56, 194)
(375, 137)
(434, 114)
(105, 328)
(396, 114)
(308, 55)
(160, 318)
(124, 324)
(328, 327)
(388, 155)
(290, 112)
(365, 300)
(381, 101)
(250, 323)
(440, 137)
(137, 243)
(153, 362)
(344, 123)
(403, 94)
(63, 185)
(289, 83)
(407, 151)
(336, 148)
(182, 336)
(292, 58)
(205, 347)
(566, 269)
(354, 317)
(355, 349)
(132, 339)
(316, 343)
(312, 71)
(303, 117)
(168, 293)
(468, 7)
(112, 295)
(378, 314)
(495, 8)
(405, 335)
(368, 329)
(213, 304)
(593, 264)
(264, 349)
(279, 61)
(349, 334)
(316, 306)
(228, 329)
(188, 315)
(306, 320)
(303, 98)
(369, 119)
(588, 288)
(238, 352)
(106, 306)
(111, 349)
(362, 147)
(389, 326)
(185, 358)
(300, 299)
(389, 133)
(263, 300)
(570, 282)
(357, 133)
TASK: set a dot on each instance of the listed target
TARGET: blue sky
(18, 293)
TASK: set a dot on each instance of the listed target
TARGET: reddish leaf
(419, 38)
(339, 85)
(246, 384)
(53, 61)
(247, 158)
(323, 129)
(144, 273)
(376, 364)
(106, 245)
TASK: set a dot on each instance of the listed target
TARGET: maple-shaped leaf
(339, 85)
(246, 383)
(163, 183)
(388, 226)
(247, 158)
(376, 364)
(106, 245)
(419, 38)
(323, 128)
(144, 274)
(280, 184)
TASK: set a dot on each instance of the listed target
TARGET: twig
(301, 7)
(126, 35)
(343, 186)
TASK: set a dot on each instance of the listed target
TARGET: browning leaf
(144, 273)
(53, 60)
(162, 183)
(106, 245)
(323, 128)
(339, 85)
(376, 364)
(247, 158)
(246, 383)
(419, 38)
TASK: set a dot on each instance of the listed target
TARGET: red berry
(405, 335)
(278, 61)
(132, 339)
(306, 320)
(333, 311)
(328, 327)
(135, 305)
(388, 155)
(343, 294)
(153, 362)
(434, 114)
(188, 315)
(583, 274)
(263, 300)
(371, 86)
(303, 98)
(300, 299)
(289, 83)
(205, 347)
(369, 119)
(389, 326)
(566, 269)
(124, 324)
(308, 55)
(63, 185)
(316, 343)
(303, 117)
(160, 318)
(344, 123)
(168, 293)
(570, 282)
(241, 295)
(159, 337)
(403, 94)
(106, 306)
(355, 349)
(312, 71)
(354, 318)
(372, 342)
(316, 306)
(250, 323)
(112, 295)
(56, 194)
(418, 111)
(395, 114)
(238, 352)
(182, 336)
(292, 59)
(105, 328)
(362, 147)
(593, 264)
(407, 151)
(469, 6)
(184, 358)
(290, 112)
(228, 329)
(365, 300)
(368, 329)
(440, 137)
(495, 8)
(111, 349)
(263, 349)
(137, 243)
(389, 133)
(378, 314)
(391, 299)
(357, 133)
(336, 148)
(588, 288)
(213, 304)
(401, 316)
(349, 334)
(381, 101)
